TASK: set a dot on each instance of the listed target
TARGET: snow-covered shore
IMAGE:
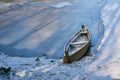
(104, 65)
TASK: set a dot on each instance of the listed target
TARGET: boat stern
(66, 58)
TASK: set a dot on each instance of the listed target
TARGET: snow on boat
(77, 46)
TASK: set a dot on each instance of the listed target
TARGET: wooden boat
(77, 46)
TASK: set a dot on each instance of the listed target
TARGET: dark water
(40, 29)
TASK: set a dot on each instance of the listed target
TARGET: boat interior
(81, 40)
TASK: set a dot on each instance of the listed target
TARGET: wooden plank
(83, 32)
(75, 43)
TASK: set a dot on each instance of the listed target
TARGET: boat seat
(84, 32)
(75, 43)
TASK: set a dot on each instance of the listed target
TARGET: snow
(103, 65)
(61, 4)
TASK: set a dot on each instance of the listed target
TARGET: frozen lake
(30, 29)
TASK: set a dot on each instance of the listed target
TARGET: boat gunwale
(66, 48)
